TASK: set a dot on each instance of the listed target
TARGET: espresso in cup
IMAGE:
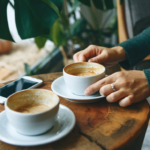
(78, 76)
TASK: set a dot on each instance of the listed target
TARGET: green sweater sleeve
(136, 50)
(147, 74)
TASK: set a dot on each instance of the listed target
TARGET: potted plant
(49, 20)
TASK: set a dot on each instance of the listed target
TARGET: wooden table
(99, 126)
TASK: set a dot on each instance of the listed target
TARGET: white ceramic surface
(59, 87)
(78, 84)
(32, 123)
(64, 124)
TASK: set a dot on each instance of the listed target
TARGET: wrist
(120, 52)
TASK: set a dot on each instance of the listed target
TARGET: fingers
(100, 58)
(115, 96)
(126, 101)
(75, 57)
(120, 95)
(123, 92)
(84, 55)
(107, 89)
(80, 56)
(112, 96)
(96, 86)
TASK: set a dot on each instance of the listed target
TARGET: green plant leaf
(64, 19)
(75, 5)
(86, 2)
(40, 41)
(52, 5)
(99, 4)
(77, 27)
(27, 69)
(57, 34)
(113, 24)
(109, 4)
(4, 29)
(35, 18)
(57, 3)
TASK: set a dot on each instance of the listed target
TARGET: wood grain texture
(99, 126)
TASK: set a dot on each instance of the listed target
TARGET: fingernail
(92, 60)
(124, 102)
(87, 93)
(102, 94)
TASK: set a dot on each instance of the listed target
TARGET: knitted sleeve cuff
(147, 74)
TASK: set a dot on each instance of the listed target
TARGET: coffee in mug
(78, 76)
(37, 108)
(33, 111)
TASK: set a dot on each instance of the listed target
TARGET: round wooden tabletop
(99, 126)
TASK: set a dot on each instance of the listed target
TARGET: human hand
(131, 87)
(105, 56)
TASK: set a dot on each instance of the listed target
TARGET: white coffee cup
(78, 84)
(32, 123)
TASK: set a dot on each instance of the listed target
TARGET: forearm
(136, 49)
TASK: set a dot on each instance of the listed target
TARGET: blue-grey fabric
(137, 15)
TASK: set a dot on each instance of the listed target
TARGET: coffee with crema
(33, 101)
(33, 108)
(84, 72)
(79, 76)
(33, 111)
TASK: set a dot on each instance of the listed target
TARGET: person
(127, 87)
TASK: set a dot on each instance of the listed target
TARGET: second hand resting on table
(130, 86)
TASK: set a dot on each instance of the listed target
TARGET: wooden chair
(122, 28)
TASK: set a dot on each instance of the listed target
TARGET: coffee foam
(84, 67)
(85, 73)
(33, 108)
(31, 98)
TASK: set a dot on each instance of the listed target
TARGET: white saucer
(59, 87)
(64, 124)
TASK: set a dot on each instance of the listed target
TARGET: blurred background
(78, 26)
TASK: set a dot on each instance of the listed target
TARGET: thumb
(99, 59)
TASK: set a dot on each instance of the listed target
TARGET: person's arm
(136, 49)
(147, 74)
(130, 86)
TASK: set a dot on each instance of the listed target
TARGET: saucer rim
(43, 142)
(86, 97)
